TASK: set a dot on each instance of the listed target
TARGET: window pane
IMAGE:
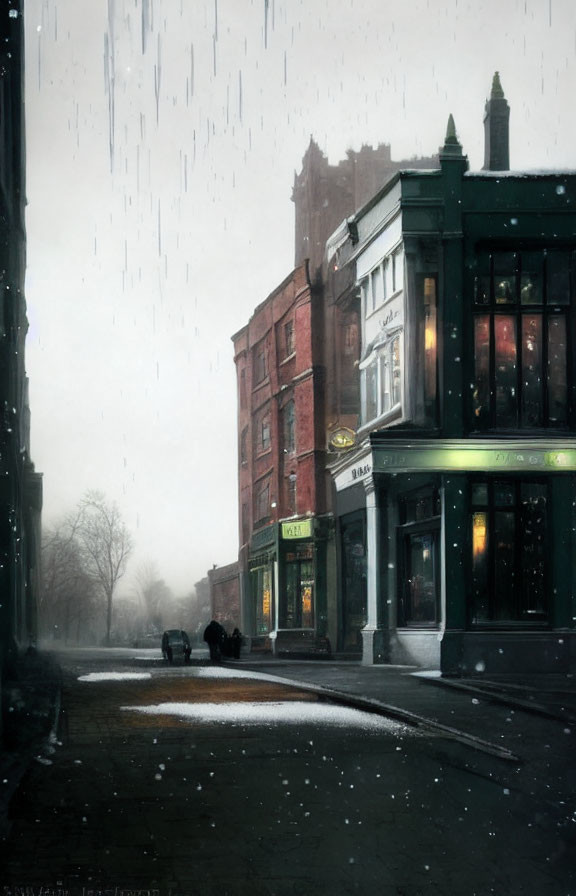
(481, 391)
(557, 277)
(505, 370)
(504, 494)
(557, 391)
(504, 572)
(531, 278)
(479, 494)
(307, 593)
(396, 371)
(532, 405)
(371, 380)
(430, 342)
(377, 292)
(422, 578)
(482, 280)
(504, 277)
(533, 525)
(481, 611)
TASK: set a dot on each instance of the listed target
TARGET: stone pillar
(373, 634)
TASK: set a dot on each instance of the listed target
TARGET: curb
(370, 704)
(500, 696)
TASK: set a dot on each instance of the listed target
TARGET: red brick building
(298, 397)
(282, 495)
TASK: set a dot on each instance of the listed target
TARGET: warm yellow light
(479, 535)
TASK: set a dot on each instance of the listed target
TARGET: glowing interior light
(479, 535)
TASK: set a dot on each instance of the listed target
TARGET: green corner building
(461, 487)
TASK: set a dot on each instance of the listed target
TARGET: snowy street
(210, 780)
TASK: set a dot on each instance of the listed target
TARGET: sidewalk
(30, 710)
(475, 711)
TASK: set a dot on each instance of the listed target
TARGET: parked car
(176, 646)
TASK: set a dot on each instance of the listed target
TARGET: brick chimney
(496, 129)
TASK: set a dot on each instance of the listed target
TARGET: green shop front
(287, 574)
(471, 554)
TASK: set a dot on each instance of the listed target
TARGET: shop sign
(297, 529)
(355, 473)
(474, 458)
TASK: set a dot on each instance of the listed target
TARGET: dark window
(243, 446)
(419, 581)
(262, 504)
(508, 526)
(260, 362)
(262, 432)
(523, 312)
(289, 427)
(288, 338)
(243, 388)
(265, 434)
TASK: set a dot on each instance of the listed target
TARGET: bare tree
(154, 594)
(67, 604)
(106, 546)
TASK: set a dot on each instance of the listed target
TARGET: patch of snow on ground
(114, 676)
(432, 673)
(268, 713)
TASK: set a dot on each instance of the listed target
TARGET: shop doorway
(354, 582)
(420, 579)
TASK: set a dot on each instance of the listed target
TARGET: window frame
(488, 310)
(388, 380)
(523, 618)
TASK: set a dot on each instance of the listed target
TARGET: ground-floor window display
(261, 590)
(509, 540)
(297, 601)
(419, 556)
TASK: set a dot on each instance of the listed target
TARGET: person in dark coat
(236, 639)
(215, 635)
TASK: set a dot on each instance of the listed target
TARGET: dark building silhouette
(496, 129)
(21, 487)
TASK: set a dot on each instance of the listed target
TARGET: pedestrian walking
(215, 635)
(236, 639)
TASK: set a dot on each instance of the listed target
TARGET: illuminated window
(508, 529)
(523, 313)
(297, 608)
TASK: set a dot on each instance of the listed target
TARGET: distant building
(282, 495)
(455, 511)
(21, 492)
(225, 596)
(325, 194)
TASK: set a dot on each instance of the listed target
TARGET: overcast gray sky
(163, 136)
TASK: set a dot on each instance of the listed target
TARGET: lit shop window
(508, 521)
(523, 313)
